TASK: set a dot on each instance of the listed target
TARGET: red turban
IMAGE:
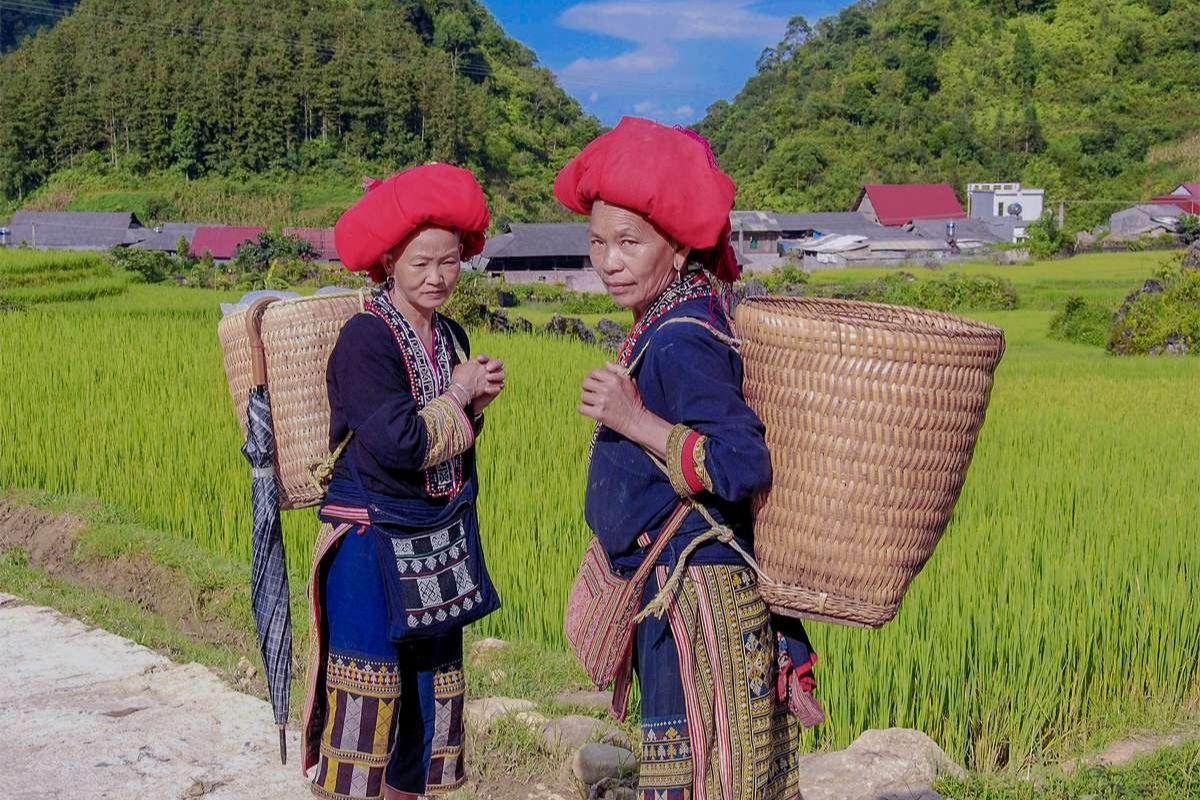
(669, 175)
(433, 194)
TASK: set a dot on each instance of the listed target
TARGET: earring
(390, 283)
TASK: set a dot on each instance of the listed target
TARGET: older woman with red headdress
(722, 682)
(398, 568)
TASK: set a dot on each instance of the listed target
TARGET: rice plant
(1060, 603)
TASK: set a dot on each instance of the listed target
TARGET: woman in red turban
(722, 681)
(398, 568)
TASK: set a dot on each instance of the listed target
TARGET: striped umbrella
(269, 581)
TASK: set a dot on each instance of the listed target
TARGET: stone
(592, 701)
(571, 327)
(1191, 259)
(497, 676)
(572, 732)
(612, 335)
(487, 646)
(595, 762)
(891, 764)
(482, 714)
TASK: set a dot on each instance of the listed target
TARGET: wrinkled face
(425, 267)
(634, 259)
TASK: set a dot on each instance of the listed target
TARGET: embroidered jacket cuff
(450, 432)
(685, 461)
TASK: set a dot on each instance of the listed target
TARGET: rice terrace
(1059, 608)
(349, 446)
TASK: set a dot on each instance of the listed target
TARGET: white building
(992, 200)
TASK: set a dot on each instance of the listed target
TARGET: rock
(532, 719)
(571, 327)
(498, 321)
(1191, 259)
(592, 701)
(482, 713)
(881, 765)
(572, 732)
(612, 335)
(487, 646)
(594, 762)
(497, 675)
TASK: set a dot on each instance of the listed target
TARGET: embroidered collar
(692, 286)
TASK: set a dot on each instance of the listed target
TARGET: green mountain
(271, 112)
(1098, 101)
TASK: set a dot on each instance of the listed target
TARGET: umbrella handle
(283, 744)
(258, 353)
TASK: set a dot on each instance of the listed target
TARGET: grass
(1171, 774)
(1054, 613)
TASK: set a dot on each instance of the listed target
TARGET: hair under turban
(433, 194)
(669, 175)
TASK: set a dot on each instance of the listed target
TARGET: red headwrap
(669, 175)
(433, 194)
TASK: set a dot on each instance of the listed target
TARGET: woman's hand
(482, 378)
(494, 384)
(610, 397)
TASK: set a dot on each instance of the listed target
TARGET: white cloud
(685, 112)
(645, 107)
(594, 97)
(657, 28)
(674, 21)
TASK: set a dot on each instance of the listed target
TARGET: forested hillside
(1091, 99)
(175, 108)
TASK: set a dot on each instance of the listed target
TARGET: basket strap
(258, 353)
(721, 337)
(723, 533)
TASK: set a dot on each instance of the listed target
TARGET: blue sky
(663, 59)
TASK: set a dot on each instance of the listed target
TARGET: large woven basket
(285, 345)
(872, 413)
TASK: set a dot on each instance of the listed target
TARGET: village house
(73, 230)
(894, 205)
(1005, 200)
(321, 240)
(541, 252)
(222, 241)
(1185, 197)
(1146, 219)
(165, 238)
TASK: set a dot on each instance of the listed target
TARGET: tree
(185, 146)
(1025, 61)
(1188, 228)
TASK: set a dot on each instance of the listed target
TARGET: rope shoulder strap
(716, 530)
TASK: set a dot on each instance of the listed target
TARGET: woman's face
(634, 260)
(425, 267)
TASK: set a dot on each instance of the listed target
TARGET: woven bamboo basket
(285, 345)
(872, 413)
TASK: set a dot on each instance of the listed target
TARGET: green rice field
(1059, 607)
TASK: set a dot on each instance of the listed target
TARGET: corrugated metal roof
(901, 203)
(222, 241)
(80, 230)
(539, 239)
(849, 223)
(320, 238)
(753, 221)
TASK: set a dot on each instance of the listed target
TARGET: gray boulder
(596, 762)
(571, 327)
(572, 732)
(892, 764)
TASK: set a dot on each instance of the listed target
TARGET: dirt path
(86, 714)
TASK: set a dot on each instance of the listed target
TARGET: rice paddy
(1059, 606)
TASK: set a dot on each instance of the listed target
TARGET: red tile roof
(1189, 204)
(222, 241)
(1192, 188)
(320, 238)
(901, 203)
